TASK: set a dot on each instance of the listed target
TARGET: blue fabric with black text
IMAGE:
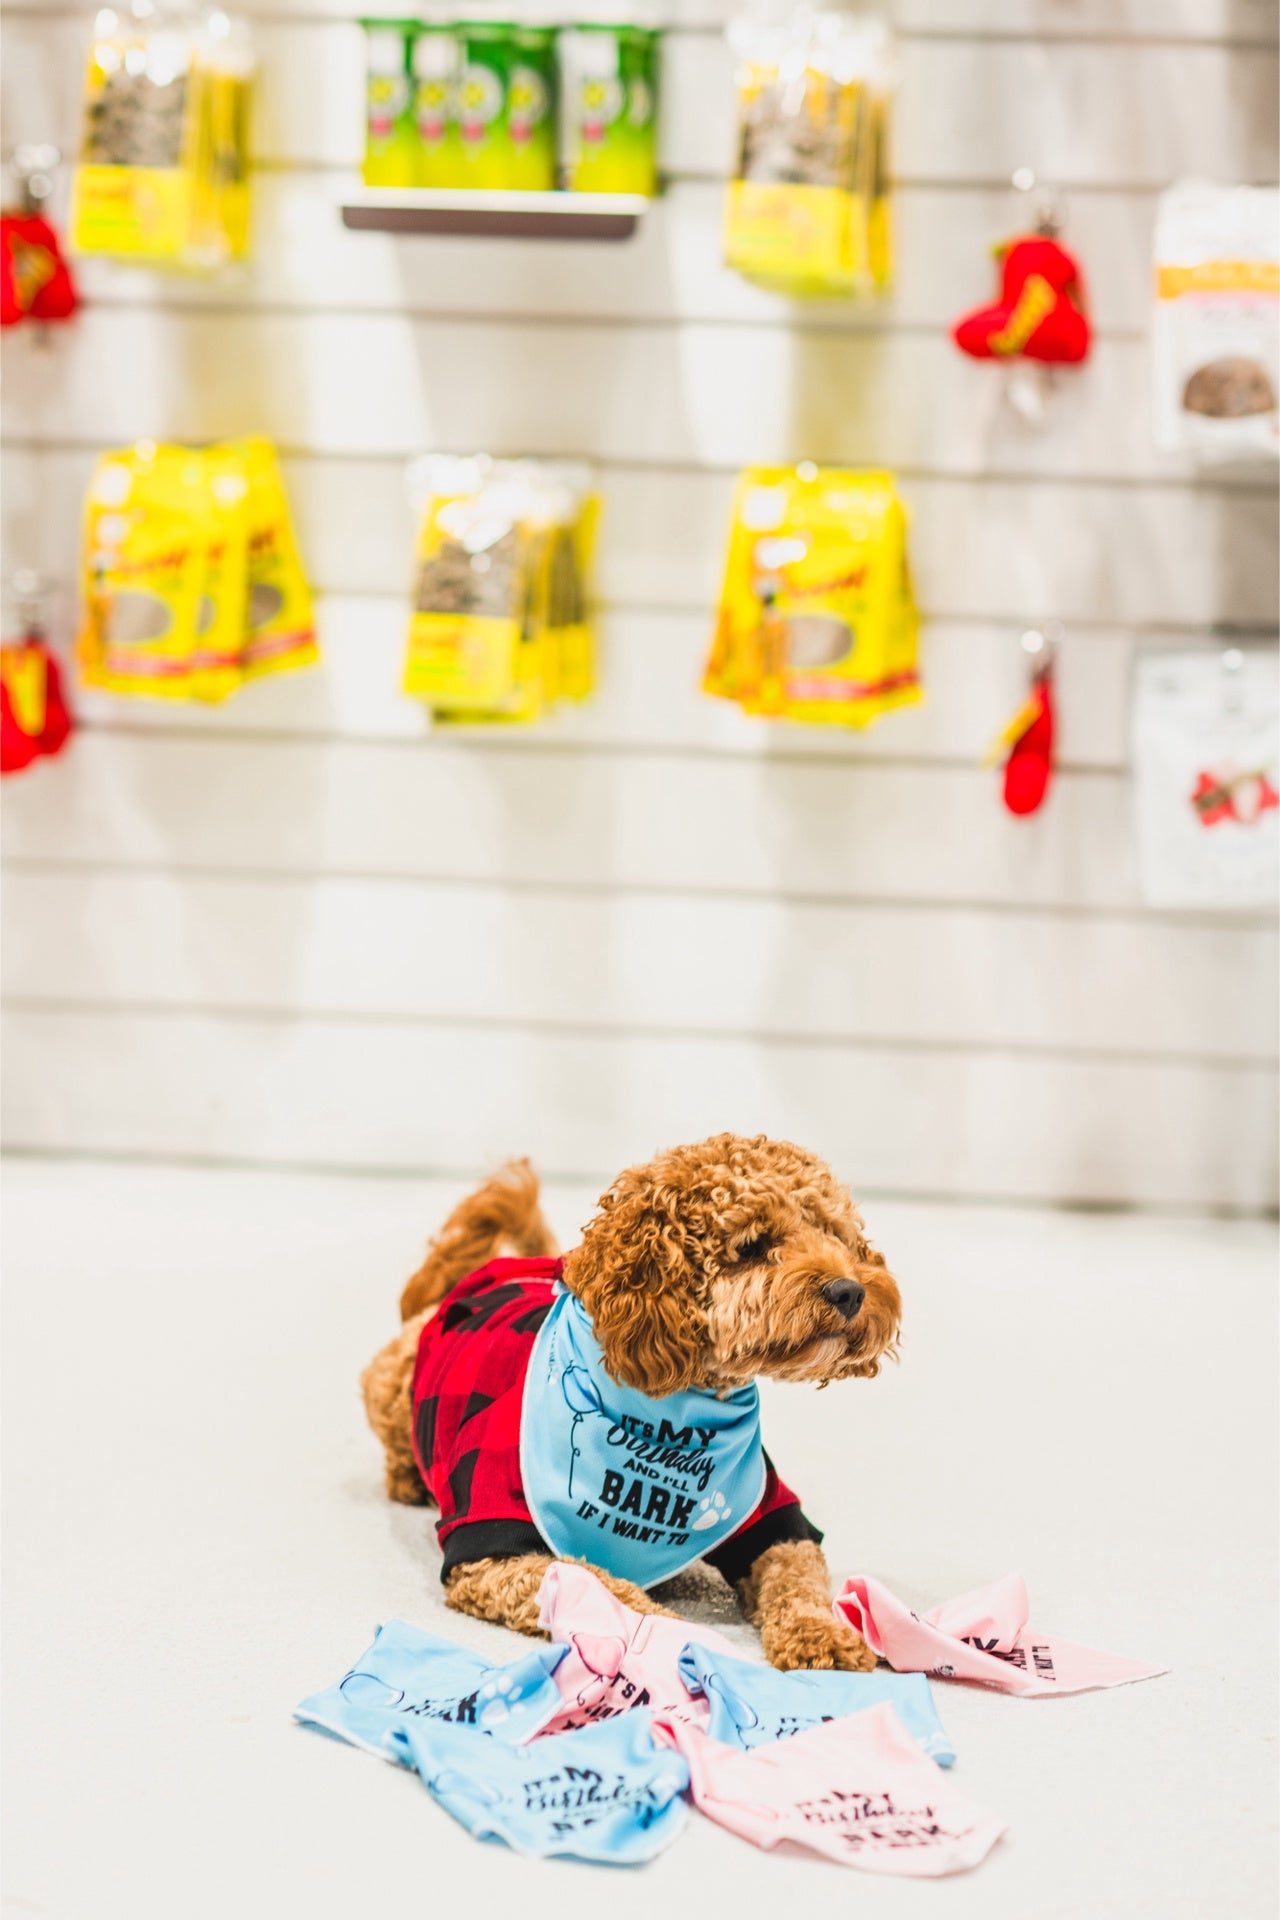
(408, 1676)
(637, 1486)
(606, 1792)
(752, 1705)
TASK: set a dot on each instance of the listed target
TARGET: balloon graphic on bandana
(579, 1390)
(367, 1690)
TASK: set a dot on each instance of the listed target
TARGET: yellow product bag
(278, 619)
(569, 643)
(223, 531)
(816, 620)
(476, 561)
(806, 211)
(143, 571)
(162, 174)
(135, 185)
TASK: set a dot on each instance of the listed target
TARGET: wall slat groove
(621, 1030)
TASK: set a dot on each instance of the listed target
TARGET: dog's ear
(632, 1274)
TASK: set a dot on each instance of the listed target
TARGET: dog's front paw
(814, 1640)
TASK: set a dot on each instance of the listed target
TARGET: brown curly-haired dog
(706, 1268)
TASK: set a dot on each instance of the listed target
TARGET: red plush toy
(1040, 312)
(35, 282)
(34, 719)
(1026, 744)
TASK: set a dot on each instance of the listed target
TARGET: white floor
(196, 1537)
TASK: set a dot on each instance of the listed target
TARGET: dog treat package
(190, 580)
(279, 624)
(146, 529)
(817, 620)
(609, 89)
(164, 154)
(1206, 777)
(808, 207)
(1216, 325)
(500, 626)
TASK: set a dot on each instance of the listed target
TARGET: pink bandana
(617, 1658)
(857, 1789)
(982, 1636)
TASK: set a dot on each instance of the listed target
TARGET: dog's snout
(846, 1296)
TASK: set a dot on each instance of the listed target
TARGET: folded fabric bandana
(407, 1677)
(857, 1789)
(607, 1793)
(751, 1705)
(645, 1487)
(983, 1636)
(616, 1658)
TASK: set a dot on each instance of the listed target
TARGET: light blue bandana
(606, 1793)
(407, 1677)
(639, 1487)
(752, 1705)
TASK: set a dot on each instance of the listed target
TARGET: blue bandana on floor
(605, 1792)
(751, 1705)
(639, 1487)
(408, 1676)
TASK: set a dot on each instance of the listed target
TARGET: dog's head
(729, 1259)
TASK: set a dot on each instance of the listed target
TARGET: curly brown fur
(506, 1591)
(705, 1268)
(502, 1213)
(787, 1594)
(387, 1386)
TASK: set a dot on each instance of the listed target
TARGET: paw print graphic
(711, 1512)
(492, 1704)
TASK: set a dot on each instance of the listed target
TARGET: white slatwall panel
(1017, 981)
(981, 549)
(329, 1093)
(294, 930)
(382, 384)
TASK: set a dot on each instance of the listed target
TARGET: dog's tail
(502, 1213)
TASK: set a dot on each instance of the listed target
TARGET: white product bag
(1206, 747)
(1216, 326)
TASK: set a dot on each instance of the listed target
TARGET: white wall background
(293, 930)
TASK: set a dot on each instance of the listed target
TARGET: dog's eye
(752, 1251)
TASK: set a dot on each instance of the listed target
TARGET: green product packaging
(435, 79)
(503, 124)
(391, 138)
(531, 109)
(609, 87)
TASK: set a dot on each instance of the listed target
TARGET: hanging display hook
(30, 592)
(34, 168)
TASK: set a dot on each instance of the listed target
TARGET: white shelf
(523, 216)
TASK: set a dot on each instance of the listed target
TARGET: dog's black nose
(845, 1295)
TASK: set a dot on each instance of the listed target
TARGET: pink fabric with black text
(982, 1635)
(617, 1658)
(857, 1789)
